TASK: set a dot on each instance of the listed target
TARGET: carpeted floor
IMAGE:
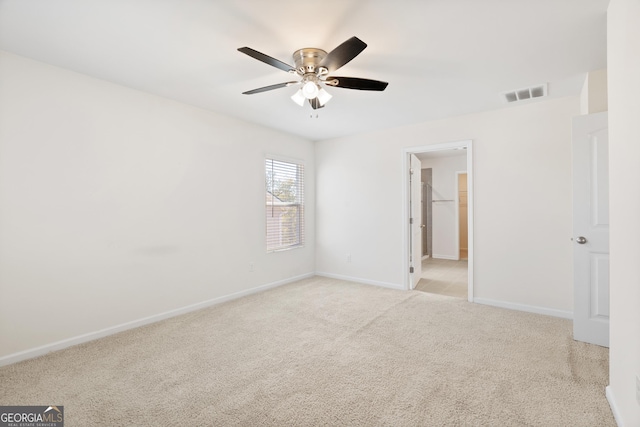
(444, 277)
(327, 352)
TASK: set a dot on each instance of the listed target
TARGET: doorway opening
(463, 215)
(427, 212)
(443, 187)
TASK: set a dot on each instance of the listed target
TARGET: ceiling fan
(314, 65)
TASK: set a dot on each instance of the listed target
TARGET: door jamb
(406, 229)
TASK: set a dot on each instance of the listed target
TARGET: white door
(591, 229)
(415, 201)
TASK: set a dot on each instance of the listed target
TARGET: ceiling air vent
(525, 93)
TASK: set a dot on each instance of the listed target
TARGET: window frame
(299, 203)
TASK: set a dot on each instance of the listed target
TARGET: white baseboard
(614, 406)
(69, 342)
(360, 280)
(528, 308)
(450, 257)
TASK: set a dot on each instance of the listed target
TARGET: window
(284, 205)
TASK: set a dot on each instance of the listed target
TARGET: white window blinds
(284, 205)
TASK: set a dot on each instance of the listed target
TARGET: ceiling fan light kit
(313, 66)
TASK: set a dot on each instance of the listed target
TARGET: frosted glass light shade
(298, 97)
(323, 96)
(310, 90)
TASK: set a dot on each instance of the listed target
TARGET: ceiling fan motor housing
(308, 59)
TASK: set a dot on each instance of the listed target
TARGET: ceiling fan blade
(315, 103)
(343, 54)
(356, 83)
(266, 59)
(272, 87)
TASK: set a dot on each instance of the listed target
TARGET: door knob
(581, 240)
(422, 226)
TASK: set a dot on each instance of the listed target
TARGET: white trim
(470, 219)
(360, 280)
(468, 144)
(527, 308)
(456, 213)
(449, 257)
(285, 159)
(69, 342)
(614, 406)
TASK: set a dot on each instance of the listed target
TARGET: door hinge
(410, 220)
(410, 269)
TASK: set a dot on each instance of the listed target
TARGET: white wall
(445, 187)
(116, 205)
(522, 161)
(623, 45)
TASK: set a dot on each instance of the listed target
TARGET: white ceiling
(441, 57)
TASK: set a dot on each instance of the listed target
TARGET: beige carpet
(444, 277)
(327, 352)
